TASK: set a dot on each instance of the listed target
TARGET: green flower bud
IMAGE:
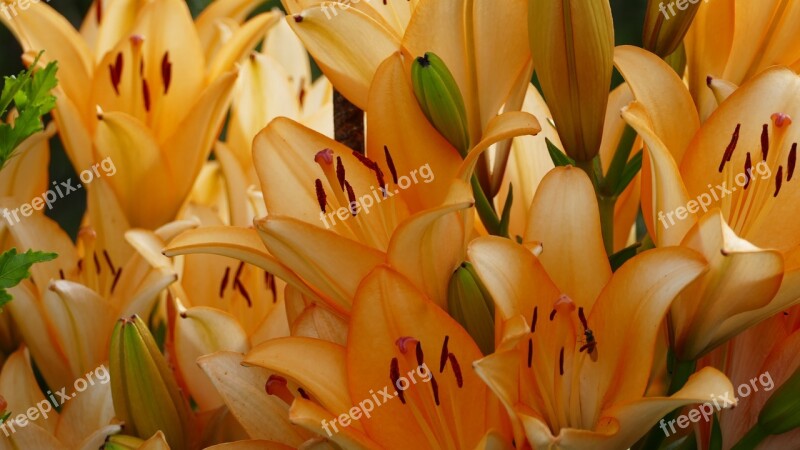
(145, 394)
(440, 99)
(470, 304)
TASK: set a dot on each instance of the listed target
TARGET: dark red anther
(340, 173)
(552, 314)
(435, 387)
(96, 262)
(390, 163)
(303, 393)
(561, 361)
(240, 287)
(116, 280)
(351, 197)
(146, 95)
(764, 142)
(298, 18)
(394, 375)
(224, 283)
(239, 270)
(107, 257)
(322, 198)
(443, 357)
(792, 162)
(116, 71)
(731, 147)
(166, 72)
(98, 10)
(61, 273)
(778, 181)
(535, 318)
(456, 369)
(748, 171)
(420, 355)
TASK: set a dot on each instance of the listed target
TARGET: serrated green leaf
(30, 93)
(15, 267)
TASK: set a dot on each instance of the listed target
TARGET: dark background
(628, 19)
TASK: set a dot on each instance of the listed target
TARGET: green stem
(682, 370)
(751, 439)
(606, 205)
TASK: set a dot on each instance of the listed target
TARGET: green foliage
(30, 94)
(15, 267)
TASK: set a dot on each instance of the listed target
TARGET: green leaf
(621, 257)
(631, 169)
(30, 93)
(15, 267)
(505, 220)
(559, 158)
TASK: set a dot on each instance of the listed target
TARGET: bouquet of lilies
(482, 226)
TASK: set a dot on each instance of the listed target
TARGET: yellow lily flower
(579, 342)
(66, 311)
(733, 218)
(735, 40)
(444, 405)
(83, 422)
(151, 86)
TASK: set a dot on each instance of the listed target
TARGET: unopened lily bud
(471, 305)
(145, 394)
(572, 44)
(441, 100)
(665, 25)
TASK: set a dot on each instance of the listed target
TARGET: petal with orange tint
(394, 110)
(316, 255)
(742, 279)
(428, 246)
(624, 321)
(505, 126)
(240, 44)
(565, 218)
(318, 366)
(189, 146)
(314, 418)
(662, 93)
(516, 279)
(390, 319)
(663, 191)
(238, 243)
(623, 424)
(20, 388)
(242, 389)
(349, 67)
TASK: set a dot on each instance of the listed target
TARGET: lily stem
(607, 205)
(751, 439)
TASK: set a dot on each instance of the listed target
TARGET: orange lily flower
(445, 406)
(735, 40)
(151, 87)
(579, 342)
(737, 170)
